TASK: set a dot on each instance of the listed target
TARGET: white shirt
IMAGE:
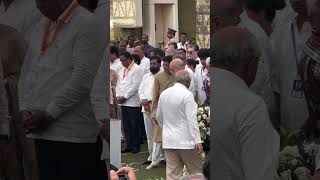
(200, 76)
(180, 46)
(192, 87)
(177, 116)
(145, 89)
(294, 110)
(262, 83)
(145, 64)
(128, 86)
(284, 16)
(60, 81)
(116, 65)
(245, 144)
(22, 15)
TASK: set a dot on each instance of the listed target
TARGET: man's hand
(121, 100)
(104, 130)
(147, 108)
(155, 121)
(144, 102)
(25, 115)
(124, 170)
(37, 122)
(198, 148)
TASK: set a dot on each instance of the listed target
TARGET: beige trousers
(176, 159)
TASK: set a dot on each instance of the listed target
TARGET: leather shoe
(146, 162)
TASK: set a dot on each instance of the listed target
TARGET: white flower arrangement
(202, 115)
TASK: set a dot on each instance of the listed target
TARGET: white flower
(302, 173)
(311, 149)
(202, 125)
(208, 132)
(286, 175)
(292, 150)
(204, 116)
(199, 118)
(201, 110)
(294, 162)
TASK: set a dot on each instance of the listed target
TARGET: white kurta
(200, 77)
(177, 116)
(262, 83)
(294, 110)
(244, 144)
(145, 64)
(60, 80)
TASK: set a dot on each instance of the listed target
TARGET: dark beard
(154, 71)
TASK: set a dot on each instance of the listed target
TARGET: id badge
(297, 89)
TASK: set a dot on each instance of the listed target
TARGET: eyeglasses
(189, 52)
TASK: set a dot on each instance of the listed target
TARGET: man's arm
(141, 88)
(88, 49)
(137, 76)
(259, 142)
(191, 113)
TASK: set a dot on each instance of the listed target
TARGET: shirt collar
(225, 76)
(63, 17)
(180, 85)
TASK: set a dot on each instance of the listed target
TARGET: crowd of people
(265, 57)
(156, 93)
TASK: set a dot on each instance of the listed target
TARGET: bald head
(182, 77)
(226, 13)
(176, 65)
(139, 51)
(235, 49)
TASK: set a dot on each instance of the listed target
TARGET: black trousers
(131, 117)
(70, 161)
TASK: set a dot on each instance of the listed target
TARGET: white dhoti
(148, 124)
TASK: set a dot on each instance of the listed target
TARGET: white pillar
(149, 21)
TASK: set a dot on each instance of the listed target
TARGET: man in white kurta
(244, 143)
(145, 95)
(56, 81)
(115, 63)
(177, 116)
(262, 83)
(127, 96)
(288, 42)
(145, 62)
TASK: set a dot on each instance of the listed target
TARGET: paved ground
(136, 160)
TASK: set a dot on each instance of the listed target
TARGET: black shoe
(146, 162)
(163, 162)
(126, 151)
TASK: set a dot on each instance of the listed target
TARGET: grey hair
(182, 78)
(190, 177)
(230, 9)
(233, 54)
(171, 52)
